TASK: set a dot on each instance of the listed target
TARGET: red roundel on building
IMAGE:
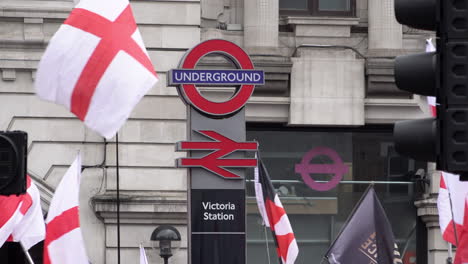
(245, 76)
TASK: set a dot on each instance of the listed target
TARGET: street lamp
(169, 240)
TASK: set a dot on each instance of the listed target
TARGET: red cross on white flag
(64, 242)
(96, 65)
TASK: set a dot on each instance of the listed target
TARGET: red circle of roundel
(190, 92)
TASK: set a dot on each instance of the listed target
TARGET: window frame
(314, 11)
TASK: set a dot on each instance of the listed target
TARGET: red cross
(59, 226)
(115, 36)
(10, 204)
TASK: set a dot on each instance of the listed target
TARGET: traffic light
(443, 74)
(13, 162)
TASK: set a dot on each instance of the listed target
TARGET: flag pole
(453, 219)
(449, 259)
(266, 242)
(257, 156)
(324, 259)
(118, 195)
(280, 261)
(26, 253)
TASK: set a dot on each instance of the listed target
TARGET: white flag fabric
(260, 197)
(431, 100)
(96, 65)
(21, 217)
(31, 229)
(143, 259)
(451, 200)
(429, 46)
(64, 241)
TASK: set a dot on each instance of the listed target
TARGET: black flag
(366, 237)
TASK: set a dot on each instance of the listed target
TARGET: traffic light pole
(449, 258)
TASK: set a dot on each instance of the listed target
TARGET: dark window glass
(317, 7)
(364, 155)
(294, 5)
(334, 5)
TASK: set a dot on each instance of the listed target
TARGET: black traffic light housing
(418, 74)
(443, 74)
(13, 162)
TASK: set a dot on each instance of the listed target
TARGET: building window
(317, 7)
(363, 156)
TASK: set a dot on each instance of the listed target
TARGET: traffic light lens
(419, 14)
(416, 73)
(416, 138)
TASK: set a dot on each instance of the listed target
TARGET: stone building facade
(325, 68)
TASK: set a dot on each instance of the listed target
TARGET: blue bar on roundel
(216, 77)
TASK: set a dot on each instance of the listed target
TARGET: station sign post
(217, 152)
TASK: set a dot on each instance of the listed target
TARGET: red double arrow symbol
(221, 147)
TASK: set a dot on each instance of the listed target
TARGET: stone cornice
(35, 9)
(385, 111)
(142, 207)
(427, 210)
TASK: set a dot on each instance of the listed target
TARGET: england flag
(96, 65)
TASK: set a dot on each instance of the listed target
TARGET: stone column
(327, 88)
(384, 31)
(427, 210)
(261, 26)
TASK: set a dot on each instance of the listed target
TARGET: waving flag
(461, 257)
(366, 237)
(274, 216)
(96, 65)
(451, 206)
(64, 242)
(31, 229)
(21, 217)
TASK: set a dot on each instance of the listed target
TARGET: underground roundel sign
(245, 77)
(187, 77)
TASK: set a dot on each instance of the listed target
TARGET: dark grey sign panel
(218, 211)
(232, 127)
(216, 249)
(217, 204)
